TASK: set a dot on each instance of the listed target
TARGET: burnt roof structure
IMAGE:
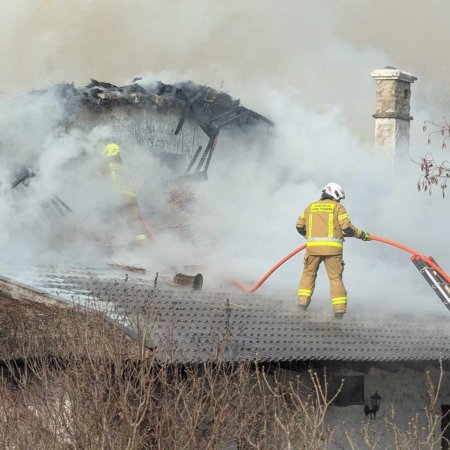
(210, 108)
(155, 114)
(187, 326)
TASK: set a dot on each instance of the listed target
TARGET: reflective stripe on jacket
(324, 222)
(116, 170)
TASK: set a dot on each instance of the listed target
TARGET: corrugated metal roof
(191, 326)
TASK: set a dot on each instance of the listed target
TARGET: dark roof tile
(201, 325)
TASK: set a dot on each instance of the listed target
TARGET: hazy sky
(321, 51)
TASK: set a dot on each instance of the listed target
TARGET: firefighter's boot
(304, 298)
(302, 307)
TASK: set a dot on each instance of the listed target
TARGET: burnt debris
(212, 110)
(208, 107)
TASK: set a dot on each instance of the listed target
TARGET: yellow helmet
(111, 150)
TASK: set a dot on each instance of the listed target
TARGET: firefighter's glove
(365, 236)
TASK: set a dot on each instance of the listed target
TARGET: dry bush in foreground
(110, 393)
(135, 404)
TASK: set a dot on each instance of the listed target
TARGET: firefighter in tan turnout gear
(128, 203)
(324, 224)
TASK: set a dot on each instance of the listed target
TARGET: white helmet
(335, 191)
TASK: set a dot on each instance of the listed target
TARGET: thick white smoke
(305, 65)
(266, 195)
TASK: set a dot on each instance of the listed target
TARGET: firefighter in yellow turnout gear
(324, 224)
(128, 205)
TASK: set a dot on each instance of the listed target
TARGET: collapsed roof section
(189, 103)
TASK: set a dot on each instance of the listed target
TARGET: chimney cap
(392, 73)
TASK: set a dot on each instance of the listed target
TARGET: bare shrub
(107, 392)
(434, 173)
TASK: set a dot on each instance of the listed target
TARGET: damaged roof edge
(204, 104)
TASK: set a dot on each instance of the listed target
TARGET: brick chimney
(392, 118)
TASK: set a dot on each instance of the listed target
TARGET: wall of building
(404, 395)
(148, 128)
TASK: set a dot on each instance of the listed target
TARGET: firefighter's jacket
(130, 207)
(115, 169)
(324, 224)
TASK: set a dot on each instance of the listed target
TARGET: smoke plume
(304, 64)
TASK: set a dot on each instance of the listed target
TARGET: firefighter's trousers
(334, 264)
(131, 215)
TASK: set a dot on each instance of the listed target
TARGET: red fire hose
(270, 272)
(148, 227)
(428, 260)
